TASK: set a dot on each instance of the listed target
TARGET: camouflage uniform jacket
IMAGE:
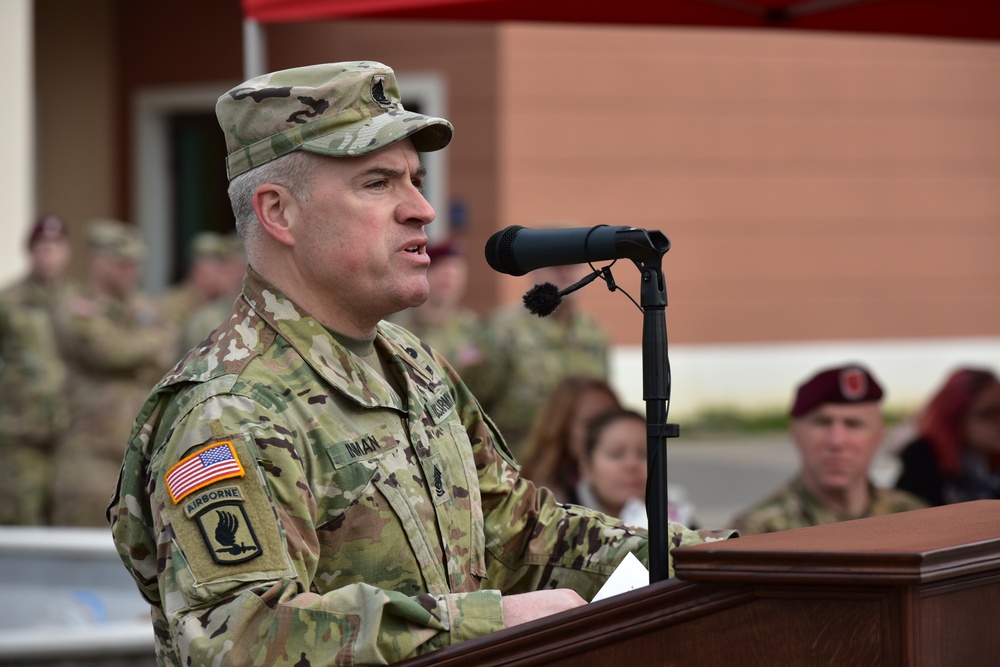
(526, 357)
(32, 373)
(33, 410)
(794, 507)
(361, 527)
(115, 349)
(201, 322)
(459, 339)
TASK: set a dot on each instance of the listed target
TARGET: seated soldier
(837, 428)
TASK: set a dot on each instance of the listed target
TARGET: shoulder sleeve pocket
(225, 533)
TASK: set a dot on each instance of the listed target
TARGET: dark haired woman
(956, 456)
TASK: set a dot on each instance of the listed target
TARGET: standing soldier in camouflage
(32, 376)
(203, 282)
(232, 263)
(442, 322)
(117, 344)
(837, 428)
(313, 485)
(527, 356)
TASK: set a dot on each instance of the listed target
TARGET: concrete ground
(724, 475)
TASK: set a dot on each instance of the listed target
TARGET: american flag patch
(200, 469)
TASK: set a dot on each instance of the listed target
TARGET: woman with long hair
(556, 445)
(956, 455)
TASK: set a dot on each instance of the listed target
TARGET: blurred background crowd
(80, 356)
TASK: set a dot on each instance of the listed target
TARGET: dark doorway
(198, 170)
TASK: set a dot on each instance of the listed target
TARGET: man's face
(361, 245)
(49, 258)
(128, 273)
(207, 276)
(447, 278)
(837, 443)
(115, 276)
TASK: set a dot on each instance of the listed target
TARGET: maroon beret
(845, 384)
(47, 227)
(442, 250)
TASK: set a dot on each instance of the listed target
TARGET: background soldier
(837, 427)
(32, 375)
(527, 356)
(204, 281)
(230, 264)
(442, 321)
(117, 344)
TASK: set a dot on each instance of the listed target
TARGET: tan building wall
(813, 186)
(18, 167)
(827, 195)
(76, 92)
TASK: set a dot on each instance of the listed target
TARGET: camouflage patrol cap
(210, 244)
(119, 238)
(842, 385)
(335, 109)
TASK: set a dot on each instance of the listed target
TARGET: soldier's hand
(526, 607)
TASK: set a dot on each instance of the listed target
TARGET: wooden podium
(914, 589)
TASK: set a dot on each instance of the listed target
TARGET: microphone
(517, 250)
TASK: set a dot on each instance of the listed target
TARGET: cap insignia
(378, 90)
(853, 384)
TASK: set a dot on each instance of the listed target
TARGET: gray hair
(293, 171)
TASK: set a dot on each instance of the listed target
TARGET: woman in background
(555, 447)
(956, 455)
(614, 468)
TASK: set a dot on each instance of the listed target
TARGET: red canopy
(978, 19)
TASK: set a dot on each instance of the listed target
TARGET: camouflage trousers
(25, 481)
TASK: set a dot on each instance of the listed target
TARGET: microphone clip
(543, 299)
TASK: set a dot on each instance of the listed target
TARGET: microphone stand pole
(648, 256)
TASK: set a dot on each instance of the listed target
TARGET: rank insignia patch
(228, 534)
(207, 465)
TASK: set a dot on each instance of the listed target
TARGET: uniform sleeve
(237, 582)
(747, 524)
(537, 543)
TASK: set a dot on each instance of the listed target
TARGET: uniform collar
(342, 369)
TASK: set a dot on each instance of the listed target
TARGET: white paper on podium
(629, 575)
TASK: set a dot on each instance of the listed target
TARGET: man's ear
(277, 211)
